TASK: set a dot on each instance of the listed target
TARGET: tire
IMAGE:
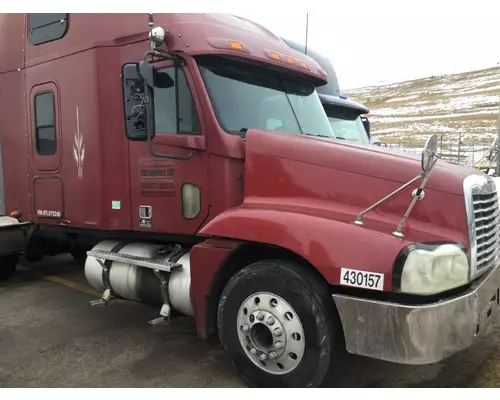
(8, 265)
(280, 287)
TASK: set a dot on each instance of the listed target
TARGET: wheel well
(243, 255)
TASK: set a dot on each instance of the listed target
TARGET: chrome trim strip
(490, 257)
(490, 225)
(489, 242)
(495, 215)
(484, 201)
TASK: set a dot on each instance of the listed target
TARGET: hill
(464, 106)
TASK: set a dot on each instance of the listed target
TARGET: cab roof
(192, 34)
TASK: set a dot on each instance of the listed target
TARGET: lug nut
(272, 355)
(263, 357)
(260, 316)
(278, 331)
(270, 321)
(278, 345)
(245, 328)
(253, 351)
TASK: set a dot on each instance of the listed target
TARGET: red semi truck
(190, 161)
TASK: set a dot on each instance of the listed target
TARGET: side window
(173, 116)
(273, 124)
(45, 125)
(43, 28)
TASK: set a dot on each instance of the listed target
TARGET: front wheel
(278, 324)
(8, 265)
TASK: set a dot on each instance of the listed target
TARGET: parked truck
(190, 160)
(348, 118)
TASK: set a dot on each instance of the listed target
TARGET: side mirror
(493, 149)
(135, 106)
(429, 154)
(139, 81)
(366, 124)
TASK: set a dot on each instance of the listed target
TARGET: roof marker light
(275, 56)
(290, 60)
(302, 64)
(235, 45)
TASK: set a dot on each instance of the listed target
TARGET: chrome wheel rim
(270, 333)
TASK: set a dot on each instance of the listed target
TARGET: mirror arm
(417, 195)
(148, 92)
(359, 219)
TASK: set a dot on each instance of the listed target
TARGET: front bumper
(422, 334)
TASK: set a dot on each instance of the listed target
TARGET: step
(152, 263)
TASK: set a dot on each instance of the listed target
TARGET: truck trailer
(188, 160)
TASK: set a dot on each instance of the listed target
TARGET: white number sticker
(362, 279)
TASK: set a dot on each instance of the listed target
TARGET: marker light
(302, 64)
(275, 56)
(235, 45)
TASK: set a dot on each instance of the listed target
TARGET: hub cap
(271, 333)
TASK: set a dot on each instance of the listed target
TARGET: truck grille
(483, 217)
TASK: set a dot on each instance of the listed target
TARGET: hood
(373, 161)
(337, 180)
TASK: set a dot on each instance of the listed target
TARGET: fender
(327, 244)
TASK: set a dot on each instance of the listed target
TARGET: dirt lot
(50, 337)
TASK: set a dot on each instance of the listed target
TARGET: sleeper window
(45, 125)
(43, 28)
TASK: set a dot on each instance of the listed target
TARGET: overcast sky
(369, 43)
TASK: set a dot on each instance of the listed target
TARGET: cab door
(171, 195)
(45, 150)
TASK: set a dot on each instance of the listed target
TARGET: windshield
(346, 124)
(251, 97)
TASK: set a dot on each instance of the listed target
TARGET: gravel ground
(50, 337)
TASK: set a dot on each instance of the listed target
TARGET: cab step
(152, 263)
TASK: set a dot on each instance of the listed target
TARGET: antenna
(307, 31)
(150, 20)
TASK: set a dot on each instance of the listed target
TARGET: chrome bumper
(420, 334)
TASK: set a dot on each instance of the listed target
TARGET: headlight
(431, 269)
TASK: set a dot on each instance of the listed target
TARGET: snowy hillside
(463, 105)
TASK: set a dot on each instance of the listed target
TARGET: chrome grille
(483, 217)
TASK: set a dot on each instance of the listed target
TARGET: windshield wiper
(242, 132)
(319, 135)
